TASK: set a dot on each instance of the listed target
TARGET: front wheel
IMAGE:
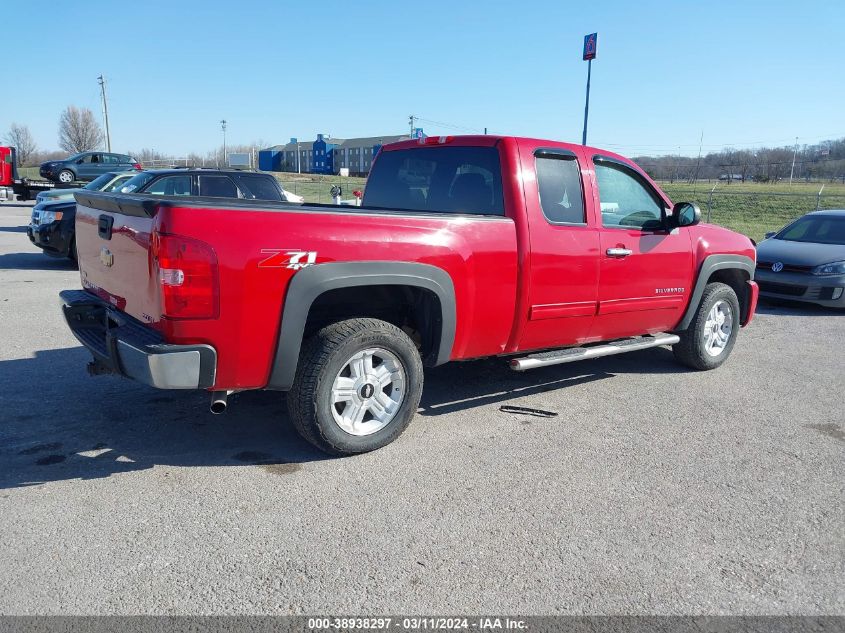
(66, 176)
(357, 387)
(709, 339)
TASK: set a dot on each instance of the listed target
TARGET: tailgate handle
(104, 225)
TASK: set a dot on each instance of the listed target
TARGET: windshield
(136, 182)
(98, 183)
(818, 229)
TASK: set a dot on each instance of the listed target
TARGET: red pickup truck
(464, 247)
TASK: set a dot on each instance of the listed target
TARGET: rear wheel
(66, 176)
(357, 386)
(709, 339)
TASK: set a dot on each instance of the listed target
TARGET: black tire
(66, 171)
(692, 349)
(321, 360)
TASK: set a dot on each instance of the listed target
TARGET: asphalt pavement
(636, 486)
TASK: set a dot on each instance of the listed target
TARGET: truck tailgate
(113, 240)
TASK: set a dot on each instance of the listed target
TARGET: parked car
(805, 261)
(52, 223)
(501, 249)
(86, 166)
(107, 182)
(52, 226)
(214, 183)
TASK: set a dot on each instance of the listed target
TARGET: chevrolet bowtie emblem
(106, 257)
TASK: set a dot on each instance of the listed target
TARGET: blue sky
(743, 73)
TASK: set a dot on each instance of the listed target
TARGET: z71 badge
(287, 258)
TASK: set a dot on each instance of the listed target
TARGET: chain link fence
(318, 189)
(755, 212)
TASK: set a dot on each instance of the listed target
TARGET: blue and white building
(326, 155)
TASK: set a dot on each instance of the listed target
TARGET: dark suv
(53, 227)
(210, 183)
(86, 166)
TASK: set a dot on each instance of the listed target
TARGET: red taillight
(186, 272)
(137, 166)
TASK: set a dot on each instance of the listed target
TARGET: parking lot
(636, 485)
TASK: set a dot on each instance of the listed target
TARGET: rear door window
(444, 179)
(171, 186)
(559, 187)
(260, 187)
(217, 187)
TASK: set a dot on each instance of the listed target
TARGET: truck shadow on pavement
(60, 424)
(35, 261)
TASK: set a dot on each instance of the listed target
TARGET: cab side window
(626, 201)
(559, 186)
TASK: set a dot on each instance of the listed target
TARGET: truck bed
(259, 248)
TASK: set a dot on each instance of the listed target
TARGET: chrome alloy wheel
(65, 176)
(718, 328)
(368, 391)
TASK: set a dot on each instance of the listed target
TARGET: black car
(86, 166)
(210, 183)
(52, 227)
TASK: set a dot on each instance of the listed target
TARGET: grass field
(750, 208)
(756, 208)
(315, 188)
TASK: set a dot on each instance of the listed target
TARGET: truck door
(564, 261)
(645, 268)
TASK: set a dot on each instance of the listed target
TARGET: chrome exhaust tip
(218, 401)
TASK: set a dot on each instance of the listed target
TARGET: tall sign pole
(588, 56)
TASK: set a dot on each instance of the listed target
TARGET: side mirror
(771, 234)
(686, 214)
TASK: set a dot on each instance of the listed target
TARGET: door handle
(619, 252)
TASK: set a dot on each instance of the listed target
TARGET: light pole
(223, 128)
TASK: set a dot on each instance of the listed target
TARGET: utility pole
(101, 80)
(794, 152)
(698, 163)
(411, 120)
(223, 128)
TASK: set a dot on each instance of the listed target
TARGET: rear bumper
(123, 345)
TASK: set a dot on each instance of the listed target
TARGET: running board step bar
(572, 354)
